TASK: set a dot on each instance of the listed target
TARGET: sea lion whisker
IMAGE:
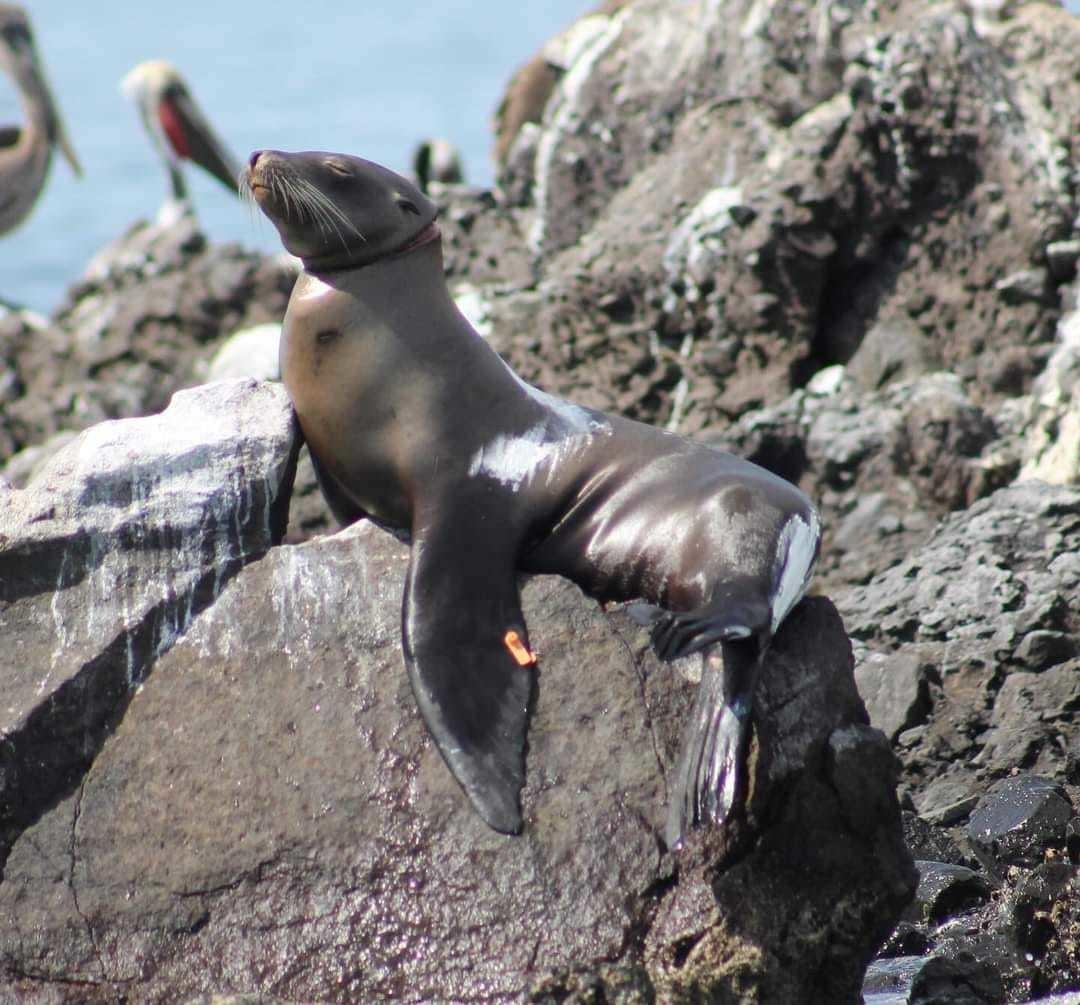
(319, 216)
(281, 190)
(306, 208)
(332, 211)
(324, 212)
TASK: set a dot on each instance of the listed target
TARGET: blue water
(366, 78)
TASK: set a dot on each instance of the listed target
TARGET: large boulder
(107, 557)
(216, 778)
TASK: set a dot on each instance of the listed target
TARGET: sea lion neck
(396, 287)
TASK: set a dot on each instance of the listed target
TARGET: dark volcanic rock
(945, 890)
(920, 980)
(1019, 819)
(722, 201)
(305, 839)
(965, 602)
(142, 325)
(1045, 913)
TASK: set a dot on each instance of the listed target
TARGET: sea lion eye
(327, 335)
(409, 207)
(339, 168)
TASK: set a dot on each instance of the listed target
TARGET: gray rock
(1033, 720)
(985, 579)
(946, 800)
(891, 350)
(107, 557)
(894, 689)
(22, 466)
(1019, 818)
(250, 352)
(142, 327)
(1029, 284)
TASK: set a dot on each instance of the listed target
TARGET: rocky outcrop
(105, 561)
(724, 198)
(247, 800)
(971, 645)
(968, 657)
(142, 324)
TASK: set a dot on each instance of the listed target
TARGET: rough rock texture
(725, 197)
(248, 801)
(969, 660)
(983, 625)
(125, 536)
(142, 324)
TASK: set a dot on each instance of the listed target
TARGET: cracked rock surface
(105, 560)
(267, 814)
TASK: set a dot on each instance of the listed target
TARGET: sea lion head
(339, 212)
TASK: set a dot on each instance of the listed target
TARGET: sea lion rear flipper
(709, 779)
(469, 660)
(676, 634)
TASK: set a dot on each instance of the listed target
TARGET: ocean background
(371, 79)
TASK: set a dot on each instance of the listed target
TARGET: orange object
(518, 649)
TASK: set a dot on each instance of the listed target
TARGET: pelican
(26, 151)
(179, 132)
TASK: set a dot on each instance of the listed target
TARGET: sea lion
(413, 421)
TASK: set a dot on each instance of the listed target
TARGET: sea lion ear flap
(469, 661)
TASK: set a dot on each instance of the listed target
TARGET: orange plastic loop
(518, 649)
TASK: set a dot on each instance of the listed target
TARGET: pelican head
(178, 129)
(26, 150)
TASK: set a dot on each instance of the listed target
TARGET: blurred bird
(437, 160)
(26, 150)
(179, 132)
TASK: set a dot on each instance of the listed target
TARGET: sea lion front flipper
(337, 499)
(468, 658)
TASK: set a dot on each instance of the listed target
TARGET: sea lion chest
(357, 399)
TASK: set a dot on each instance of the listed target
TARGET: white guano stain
(148, 512)
(593, 37)
(699, 231)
